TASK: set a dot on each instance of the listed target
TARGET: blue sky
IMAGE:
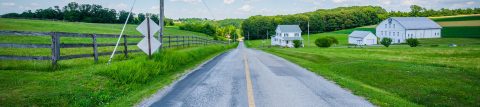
(235, 8)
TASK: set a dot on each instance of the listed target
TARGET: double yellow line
(251, 99)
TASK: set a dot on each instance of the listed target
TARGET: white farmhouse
(285, 34)
(362, 38)
(401, 28)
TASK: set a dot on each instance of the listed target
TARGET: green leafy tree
(413, 42)
(386, 42)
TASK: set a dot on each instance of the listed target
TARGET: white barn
(362, 38)
(285, 34)
(401, 28)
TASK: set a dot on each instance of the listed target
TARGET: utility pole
(161, 23)
(308, 30)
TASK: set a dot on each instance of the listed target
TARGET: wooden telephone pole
(161, 16)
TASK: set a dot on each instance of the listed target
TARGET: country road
(246, 77)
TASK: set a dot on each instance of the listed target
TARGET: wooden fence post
(125, 45)
(169, 44)
(95, 48)
(183, 39)
(55, 49)
(188, 41)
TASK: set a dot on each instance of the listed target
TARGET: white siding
(370, 39)
(399, 34)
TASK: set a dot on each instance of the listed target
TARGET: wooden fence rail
(56, 45)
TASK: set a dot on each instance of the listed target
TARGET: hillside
(433, 74)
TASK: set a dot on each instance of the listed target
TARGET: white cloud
(8, 4)
(339, 1)
(187, 1)
(228, 1)
(470, 2)
(245, 8)
(408, 2)
(387, 2)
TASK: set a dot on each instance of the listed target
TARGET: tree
(416, 10)
(297, 43)
(386, 42)
(413, 42)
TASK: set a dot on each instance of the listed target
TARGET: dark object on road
(413, 42)
(386, 42)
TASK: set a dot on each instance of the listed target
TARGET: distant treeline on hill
(90, 13)
(324, 20)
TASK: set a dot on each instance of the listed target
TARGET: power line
(209, 10)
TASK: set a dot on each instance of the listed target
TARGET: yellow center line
(251, 100)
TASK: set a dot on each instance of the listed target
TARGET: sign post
(148, 44)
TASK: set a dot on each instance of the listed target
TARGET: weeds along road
(246, 77)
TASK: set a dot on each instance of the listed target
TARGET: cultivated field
(81, 82)
(433, 74)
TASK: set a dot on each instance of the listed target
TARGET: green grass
(461, 32)
(458, 18)
(80, 27)
(81, 82)
(433, 74)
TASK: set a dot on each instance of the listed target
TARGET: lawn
(81, 82)
(433, 74)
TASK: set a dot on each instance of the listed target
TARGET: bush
(386, 42)
(297, 43)
(326, 41)
(413, 42)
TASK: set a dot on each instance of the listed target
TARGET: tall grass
(141, 70)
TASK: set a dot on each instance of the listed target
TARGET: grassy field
(81, 82)
(433, 74)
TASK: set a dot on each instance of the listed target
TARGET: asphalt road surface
(247, 78)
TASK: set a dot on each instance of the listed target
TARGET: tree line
(90, 13)
(219, 30)
(324, 20)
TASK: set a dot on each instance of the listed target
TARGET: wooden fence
(56, 45)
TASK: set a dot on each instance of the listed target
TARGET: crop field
(433, 74)
(81, 82)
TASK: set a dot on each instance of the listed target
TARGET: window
(385, 25)
(285, 35)
(297, 34)
(398, 33)
(394, 26)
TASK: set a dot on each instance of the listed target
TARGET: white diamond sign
(148, 44)
(154, 43)
(143, 27)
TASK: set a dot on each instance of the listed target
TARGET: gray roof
(292, 38)
(289, 28)
(359, 34)
(417, 23)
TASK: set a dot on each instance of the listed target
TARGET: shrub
(386, 42)
(413, 42)
(326, 41)
(297, 43)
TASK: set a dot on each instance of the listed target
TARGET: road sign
(154, 43)
(143, 27)
(148, 44)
